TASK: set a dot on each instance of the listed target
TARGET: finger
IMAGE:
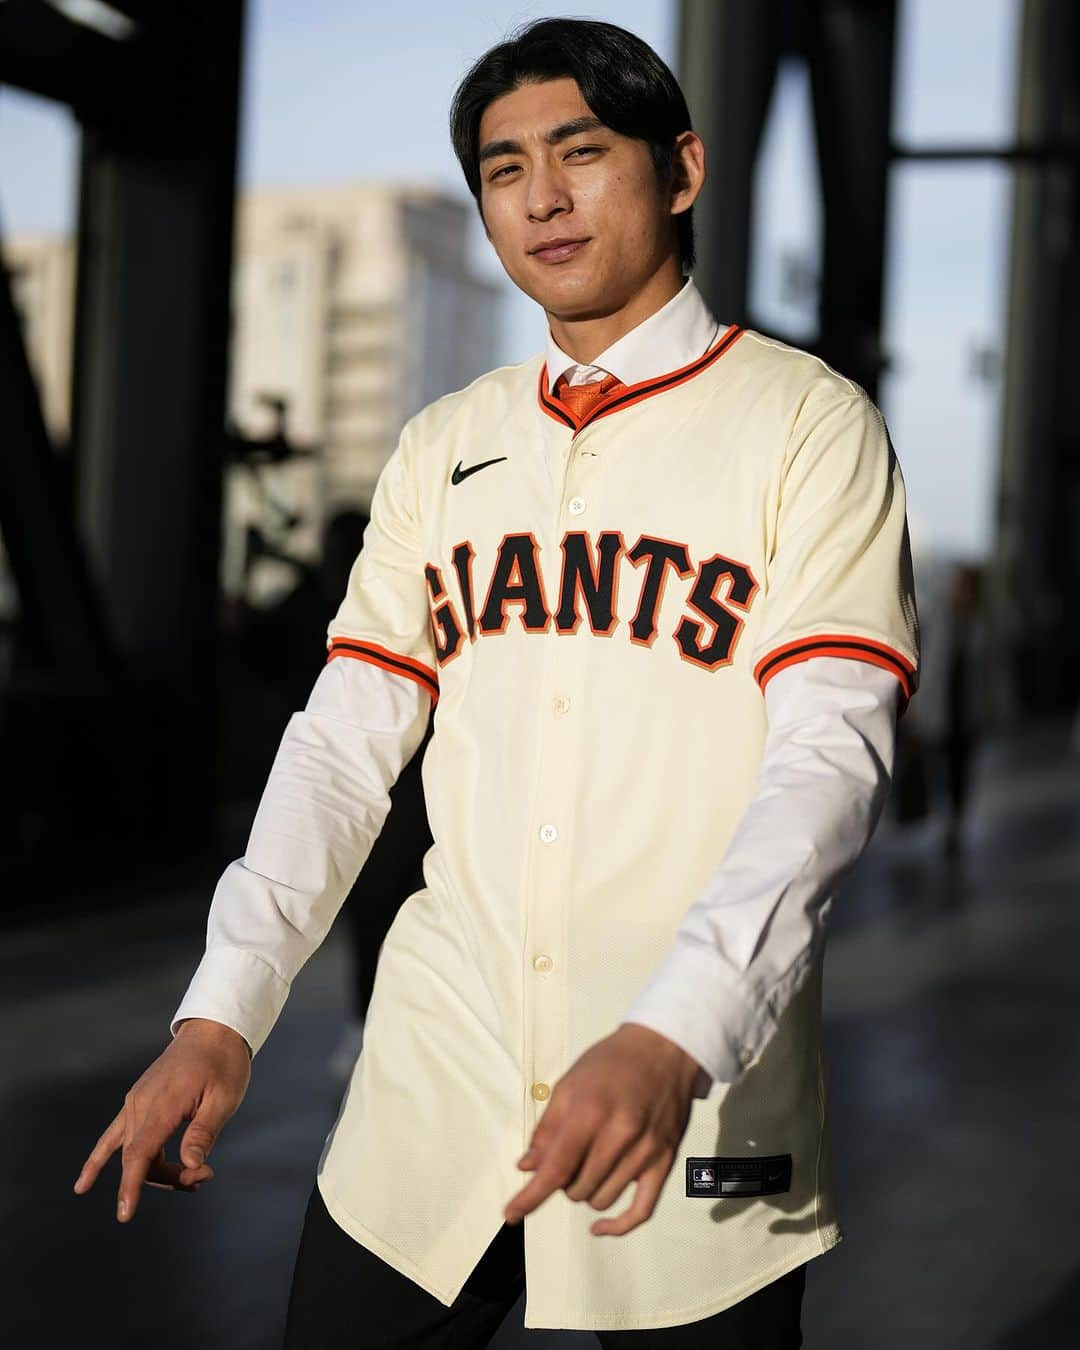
(648, 1188)
(629, 1167)
(176, 1184)
(180, 1172)
(144, 1144)
(608, 1151)
(191, 1176)
(560, 1164)
(173, 1176)
(545, 1133)
(99, 1155)
(547, 1129)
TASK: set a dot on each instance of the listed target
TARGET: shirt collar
(678, 333)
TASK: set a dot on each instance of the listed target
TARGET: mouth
(557, 250)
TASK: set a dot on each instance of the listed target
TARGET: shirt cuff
(724, 1029)
(236, 987)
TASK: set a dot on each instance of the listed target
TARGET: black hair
(621, 78)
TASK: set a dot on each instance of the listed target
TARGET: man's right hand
(199, 1078)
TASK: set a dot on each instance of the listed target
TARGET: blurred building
(356, 305)
(353, 306)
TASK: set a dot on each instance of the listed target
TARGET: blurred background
(237, 253)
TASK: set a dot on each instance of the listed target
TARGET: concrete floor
(953, 1037)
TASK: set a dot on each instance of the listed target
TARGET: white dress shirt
(678, 333)
(746, 943)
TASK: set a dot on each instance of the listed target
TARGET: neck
(585, 337)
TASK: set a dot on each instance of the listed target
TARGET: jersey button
(561, 704)
(548, 833)
(576, 505)
(542, 962)
(541, 1092)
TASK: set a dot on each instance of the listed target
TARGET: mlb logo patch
(738, 1178)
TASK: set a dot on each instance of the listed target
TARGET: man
(667, 625)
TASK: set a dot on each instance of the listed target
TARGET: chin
(578, 298)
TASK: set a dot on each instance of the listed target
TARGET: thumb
(198, 1140)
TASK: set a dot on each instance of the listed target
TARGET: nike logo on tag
(460, 474)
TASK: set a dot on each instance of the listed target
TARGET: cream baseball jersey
(594, 608)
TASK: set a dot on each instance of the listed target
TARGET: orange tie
(581, 399)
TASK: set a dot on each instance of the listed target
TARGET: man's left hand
(616, 1116)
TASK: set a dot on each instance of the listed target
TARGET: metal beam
(1035, 573)
(729, 51)
(151, 339)
(60, 617)
(44, 53)
(1049, 152)
(850, 52)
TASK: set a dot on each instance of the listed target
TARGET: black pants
(344, 1297)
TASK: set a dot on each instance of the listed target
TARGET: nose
(547, 195)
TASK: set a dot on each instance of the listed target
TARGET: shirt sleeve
(745, 947)
(385, 617)
(327, 794)
(839, 578)
(321, 811)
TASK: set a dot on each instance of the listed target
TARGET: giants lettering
(589, 587)
(661, 554)
(702, 599)
(443, 619)
(596, 587)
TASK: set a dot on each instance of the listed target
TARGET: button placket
(544, 996)
(579, 470)
(544, 936)
(546, 952)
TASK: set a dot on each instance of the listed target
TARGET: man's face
(550, 171)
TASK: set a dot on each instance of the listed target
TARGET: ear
(687, 171)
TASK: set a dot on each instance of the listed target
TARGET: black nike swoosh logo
(460, 474)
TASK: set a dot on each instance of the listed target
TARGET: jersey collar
(677, 334)
(634, 393)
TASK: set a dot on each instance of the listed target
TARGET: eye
(506, 168)
(584, 150)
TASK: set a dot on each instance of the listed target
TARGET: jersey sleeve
(384, 617)
(839, 578)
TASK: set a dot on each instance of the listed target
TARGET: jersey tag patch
(730, 1178)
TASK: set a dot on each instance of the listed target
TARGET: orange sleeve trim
(835, 644)
(387, 660)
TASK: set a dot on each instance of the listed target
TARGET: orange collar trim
(633, 393)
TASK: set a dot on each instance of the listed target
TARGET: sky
(322, 100)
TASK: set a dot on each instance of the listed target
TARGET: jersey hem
(680, 1316)
(398, 1260)
(826, 1241)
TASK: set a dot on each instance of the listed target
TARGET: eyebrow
(560, 133)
